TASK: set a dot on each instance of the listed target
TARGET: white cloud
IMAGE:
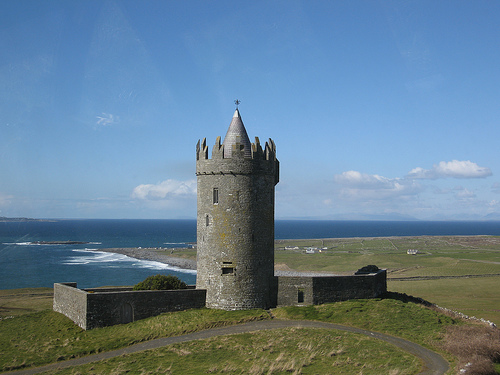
(165, 190)
(454, 168)
(463, 193)
(107, 119)
(356, 185)
(366, 181)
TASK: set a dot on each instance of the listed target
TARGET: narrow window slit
(216, 195)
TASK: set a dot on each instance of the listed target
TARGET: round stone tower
(235, 222)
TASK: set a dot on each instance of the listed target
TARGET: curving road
(433, 363)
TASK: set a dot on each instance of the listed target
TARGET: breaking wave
(113, 260)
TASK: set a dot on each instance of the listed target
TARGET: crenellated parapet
(261, 160)
(268, 153)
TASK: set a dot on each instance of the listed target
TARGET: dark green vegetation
(161, 282)
(396, 316)
(458, 272)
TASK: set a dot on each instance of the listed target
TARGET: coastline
(190, 264)
(147, 254)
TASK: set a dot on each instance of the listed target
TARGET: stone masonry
(99, 307)
(235, 220)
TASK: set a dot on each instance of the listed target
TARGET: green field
(457, 272)
(45, 337)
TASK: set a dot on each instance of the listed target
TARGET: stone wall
(72, 302)
(324, 289)
(99, 307)
(289, 288)
(92, 308)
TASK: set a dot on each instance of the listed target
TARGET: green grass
(14, 302)
(47, 336)
(283, 351)
(181, 252)
(396, 317)
(441, 256)
(479, 297)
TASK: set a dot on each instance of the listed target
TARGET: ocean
(26, 261)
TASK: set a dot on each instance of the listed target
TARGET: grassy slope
(47, 336)
(25, 341)
(478, 297)
(283, 351)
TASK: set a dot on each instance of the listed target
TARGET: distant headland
(22, 219)
(58, 243)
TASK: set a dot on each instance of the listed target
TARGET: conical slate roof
(237, 134)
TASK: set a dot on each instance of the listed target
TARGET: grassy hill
(44, 337)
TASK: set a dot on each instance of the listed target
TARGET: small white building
(311, 250)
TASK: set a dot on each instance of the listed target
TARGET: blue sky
(377, 108)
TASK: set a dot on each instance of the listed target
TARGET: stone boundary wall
(72, 302)
(101, 307)
(289, 287)
(323, 289)
(93, 308)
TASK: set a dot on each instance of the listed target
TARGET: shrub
(371, 268)
(477, 348)
(161, 282)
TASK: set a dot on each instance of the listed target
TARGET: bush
(477, 348)
(367, 269)
(161, 282)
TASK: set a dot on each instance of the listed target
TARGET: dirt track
(433, 363)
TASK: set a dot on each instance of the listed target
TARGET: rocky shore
(147, 254)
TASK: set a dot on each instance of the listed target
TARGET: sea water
(24, 263)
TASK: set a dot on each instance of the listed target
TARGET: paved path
(433, 363)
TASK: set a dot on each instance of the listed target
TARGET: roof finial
(237, 102)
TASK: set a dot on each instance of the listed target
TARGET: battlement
(238, 150)
(262, 161)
